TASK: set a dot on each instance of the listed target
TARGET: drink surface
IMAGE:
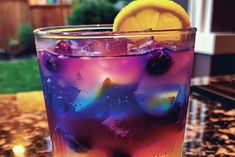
(130, 102)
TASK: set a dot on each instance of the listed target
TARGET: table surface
(210, 129)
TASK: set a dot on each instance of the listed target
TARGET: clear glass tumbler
(115, 94)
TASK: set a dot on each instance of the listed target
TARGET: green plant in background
(75, 3)
(25, 35)
(93, 12)
(23, 43)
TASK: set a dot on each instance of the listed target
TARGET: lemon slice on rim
(142, 15)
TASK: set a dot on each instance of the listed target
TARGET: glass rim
(101, 31)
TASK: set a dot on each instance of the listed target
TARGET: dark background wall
(223, 16)
(183, 3)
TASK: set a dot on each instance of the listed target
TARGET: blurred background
(214, 19)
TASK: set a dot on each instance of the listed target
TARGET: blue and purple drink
(108, 95)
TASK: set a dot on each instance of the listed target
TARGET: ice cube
(145, 45)
(158, 102)
(86, 82)
(83, 100)
(59, 98)
(116, 47)
(113, 123)
(132, 48)
(76, 46)
(45, 44)
(81, 47)
(104, 47)
(93, 47)
(114, 99)
(178, 46)
(141, 46)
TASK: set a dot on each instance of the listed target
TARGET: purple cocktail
(115, 94)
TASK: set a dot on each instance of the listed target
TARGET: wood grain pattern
(13, 13)
(44, 16)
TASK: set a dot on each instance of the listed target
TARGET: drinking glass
(115, 94)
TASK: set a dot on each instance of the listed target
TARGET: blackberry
(63, 47)
(159, 62)
(50, 61)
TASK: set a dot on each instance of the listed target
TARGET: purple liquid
(117, 106)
